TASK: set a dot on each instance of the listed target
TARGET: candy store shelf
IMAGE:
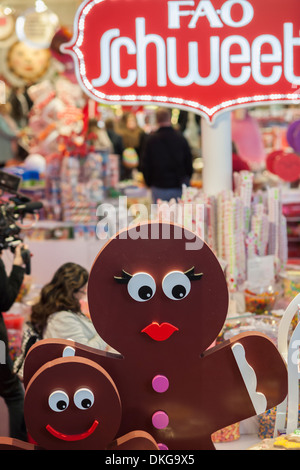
(243, 443)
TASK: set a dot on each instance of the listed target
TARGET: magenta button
(162, 446)
(160, 420)
(160, 383)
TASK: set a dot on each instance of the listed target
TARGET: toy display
(158, 295)
(77, 407)
(28, 63)
(56, 113)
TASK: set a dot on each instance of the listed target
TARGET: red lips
(159, 332)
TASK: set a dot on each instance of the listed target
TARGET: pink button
(160, 420)
(160, 383)
(162, 446)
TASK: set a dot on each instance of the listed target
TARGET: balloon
(271, 158)
(287, 166)
(35, 162)
(293, 136)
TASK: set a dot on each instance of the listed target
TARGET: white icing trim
(258, 399)
(68, 352)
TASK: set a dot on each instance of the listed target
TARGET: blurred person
(117, 143)
(21, 104)
(133, 138)
(11, 389)
(58, 312)
(115, 138)
(166, 159)
(9, 134)
(98, 136)
(132, 134)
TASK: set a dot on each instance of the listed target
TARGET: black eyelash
(190, 273)
(123, 279)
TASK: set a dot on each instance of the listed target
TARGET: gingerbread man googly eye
(58, 401)
(84, 398)
(141, 287)
(176, 285)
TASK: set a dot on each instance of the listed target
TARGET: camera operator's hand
(10, 285)
(18, 260)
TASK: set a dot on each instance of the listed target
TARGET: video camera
(12, 210)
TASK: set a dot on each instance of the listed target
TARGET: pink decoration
(293, 136)
(160, 420)
(162, 446)
(160, 383)
(248, 140)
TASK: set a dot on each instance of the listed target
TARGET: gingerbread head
(158, 285)
(72, 403)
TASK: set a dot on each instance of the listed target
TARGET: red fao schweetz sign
(207, 56)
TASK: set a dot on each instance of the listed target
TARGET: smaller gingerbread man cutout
(72, 403)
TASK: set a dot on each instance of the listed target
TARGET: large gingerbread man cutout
(158, 295)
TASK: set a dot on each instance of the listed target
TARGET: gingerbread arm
(134, 440)
(8, 443)
(267, 363)
(246, 371)
(258, 399)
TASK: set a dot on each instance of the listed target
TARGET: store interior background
(55, 241)
(64, 9)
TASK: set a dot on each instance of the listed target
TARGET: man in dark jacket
(10, 387)
(166, 159)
